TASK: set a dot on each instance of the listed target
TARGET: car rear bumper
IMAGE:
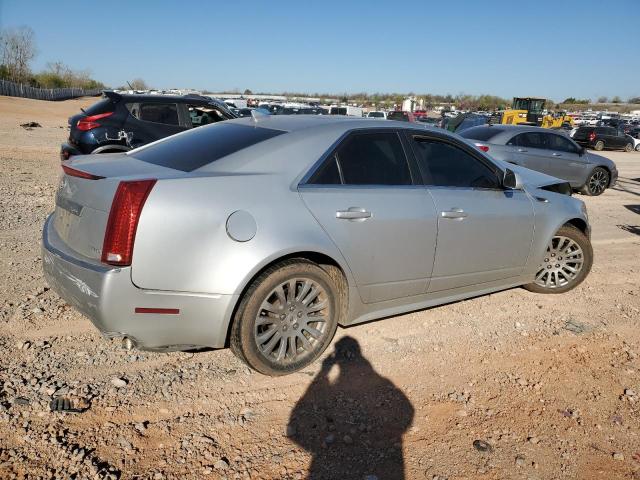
(67, 151)
(109, 299)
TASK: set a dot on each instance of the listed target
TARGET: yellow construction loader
(530, 111)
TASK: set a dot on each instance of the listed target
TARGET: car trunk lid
(85, 195)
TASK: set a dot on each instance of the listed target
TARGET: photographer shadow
(353, 425)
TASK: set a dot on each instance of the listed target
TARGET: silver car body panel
(405, 256)
(572, 167)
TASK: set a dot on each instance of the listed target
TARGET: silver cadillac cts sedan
(265, 233)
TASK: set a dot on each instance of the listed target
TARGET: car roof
(147, 97)
(293, 123)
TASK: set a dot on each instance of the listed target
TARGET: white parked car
(377, 114)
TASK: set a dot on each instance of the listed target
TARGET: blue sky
(559, 48)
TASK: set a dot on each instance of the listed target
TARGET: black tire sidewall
(599, 142)
(253, 299)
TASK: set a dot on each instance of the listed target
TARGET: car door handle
(522, 150)
(353, 213)
(556, 154)
(454, 213)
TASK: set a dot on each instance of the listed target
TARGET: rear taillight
(91, 122)
(482, 147)
(72, 172)
(126, 208)
(592, 136)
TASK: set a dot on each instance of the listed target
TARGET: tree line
(17, 51)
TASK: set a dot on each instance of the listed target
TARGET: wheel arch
(605, 168)
(580, 224)
(111, 148)
(323, 259)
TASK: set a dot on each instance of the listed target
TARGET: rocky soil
(506, 386)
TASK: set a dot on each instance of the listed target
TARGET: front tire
(597, 182)
(628, 147)
(566, 263)
(638, 148)
(287, 317)
(599, 146)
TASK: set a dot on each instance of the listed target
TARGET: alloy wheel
(598, 182)
(562, 263)
(292, 321)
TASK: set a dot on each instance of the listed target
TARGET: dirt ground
(549, 385)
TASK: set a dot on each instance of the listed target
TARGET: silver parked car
(546, 151)
(265, 233)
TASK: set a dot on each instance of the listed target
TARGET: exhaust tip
(128, 344)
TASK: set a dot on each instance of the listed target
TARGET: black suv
(600, 138)
(121, 122)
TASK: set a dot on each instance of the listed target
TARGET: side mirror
(511, 180)
(582, 151)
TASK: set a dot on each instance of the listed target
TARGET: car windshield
(484, 134)
(197, 148)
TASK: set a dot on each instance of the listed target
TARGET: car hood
(530, 178)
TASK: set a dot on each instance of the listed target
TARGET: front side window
(559, 143)
(204, 115)
(445, 165)
(366, 159)
(166, 113)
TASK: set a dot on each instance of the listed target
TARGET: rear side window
(530, 140)
(166, 113)
(327, 174)
(373, 159)
(202, 146)
(445, 165)
(397, 116)
(103, 106)
(483, 134)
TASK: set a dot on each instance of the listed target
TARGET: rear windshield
(484, 134)
(103, 106)
(201, 146)
(397, 115)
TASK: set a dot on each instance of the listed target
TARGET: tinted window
(374, 159)
(402, 116)
(484, 134)
(530, 140)
(327, 174)
(559, 143)
(103, 106)
(166, 113)
(199, 147)
(446, 165)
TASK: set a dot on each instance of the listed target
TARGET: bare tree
(138, 84)
(17, 49)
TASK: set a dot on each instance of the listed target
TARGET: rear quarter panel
(182, 242)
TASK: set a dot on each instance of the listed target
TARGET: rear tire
(638, 148)
(287, 317)
(567, 262)
(599, 146)
(597, 182)
(628, 147)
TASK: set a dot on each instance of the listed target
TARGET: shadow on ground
(633, 208)
(352, 424)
